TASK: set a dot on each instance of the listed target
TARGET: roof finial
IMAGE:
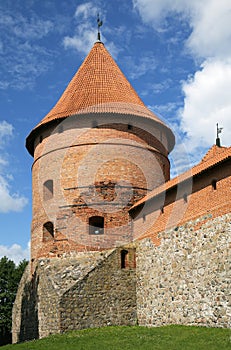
(100, 23)
(218, 141)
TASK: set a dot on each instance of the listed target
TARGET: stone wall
(106, 296)
(186, 279)
(79, 291)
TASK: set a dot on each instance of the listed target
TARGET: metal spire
(218, 141)
(100, 23)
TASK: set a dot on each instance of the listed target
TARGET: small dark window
(124, 258)
(48, 231)
(96, 225)
(129, 127)
(48, 190)
(162, 210)
(40, 138)
(185, 198)
(214, 184)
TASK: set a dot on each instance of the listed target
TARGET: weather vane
(100, 23)
(219, 130)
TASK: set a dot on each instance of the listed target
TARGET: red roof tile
(214, 156)
(99, 86)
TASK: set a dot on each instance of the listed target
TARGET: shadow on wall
(29, 328)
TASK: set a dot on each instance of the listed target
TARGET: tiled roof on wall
(214, 156)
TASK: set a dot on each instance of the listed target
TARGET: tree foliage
(10, 276)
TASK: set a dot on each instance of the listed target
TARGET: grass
(133, 338)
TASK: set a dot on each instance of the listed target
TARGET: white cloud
(16, 252)
(136, 70)
(83, 40)
(6, 130)
(9, 201)
(86, 33)
(211, 34)
(86, 11)
(86, 30)
(207, 102)
(207, 91)
(22, 57)
(154, 12)
(209, 20)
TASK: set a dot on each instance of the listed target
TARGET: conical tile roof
(99, 86)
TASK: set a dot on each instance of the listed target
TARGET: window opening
(124, 258)
(96, 225)
(48, 190)
(185, 198)
(214, 184)
(48, 231)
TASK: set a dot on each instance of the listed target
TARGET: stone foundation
(80, 291)
(186, 279)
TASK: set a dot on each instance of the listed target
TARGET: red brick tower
(97, 152)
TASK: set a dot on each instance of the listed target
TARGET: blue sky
(176, 54)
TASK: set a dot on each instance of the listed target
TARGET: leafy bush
(10, 276)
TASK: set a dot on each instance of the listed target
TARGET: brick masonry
(95, 171)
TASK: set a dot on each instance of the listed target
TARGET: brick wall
(94, 171)
(185, 202)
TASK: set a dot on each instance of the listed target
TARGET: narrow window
(185, 198)
(162, 210)
(129, 127)
(214, 184)
(96, 225)
(40, 138)
(124, 258)
(48, 190)
(48, 231)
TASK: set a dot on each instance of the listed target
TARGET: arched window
(96, 225)
(48, 231)
(124, 257)
(48, 190)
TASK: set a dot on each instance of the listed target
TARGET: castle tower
(97, 152)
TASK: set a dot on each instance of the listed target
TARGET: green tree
(10, 276)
